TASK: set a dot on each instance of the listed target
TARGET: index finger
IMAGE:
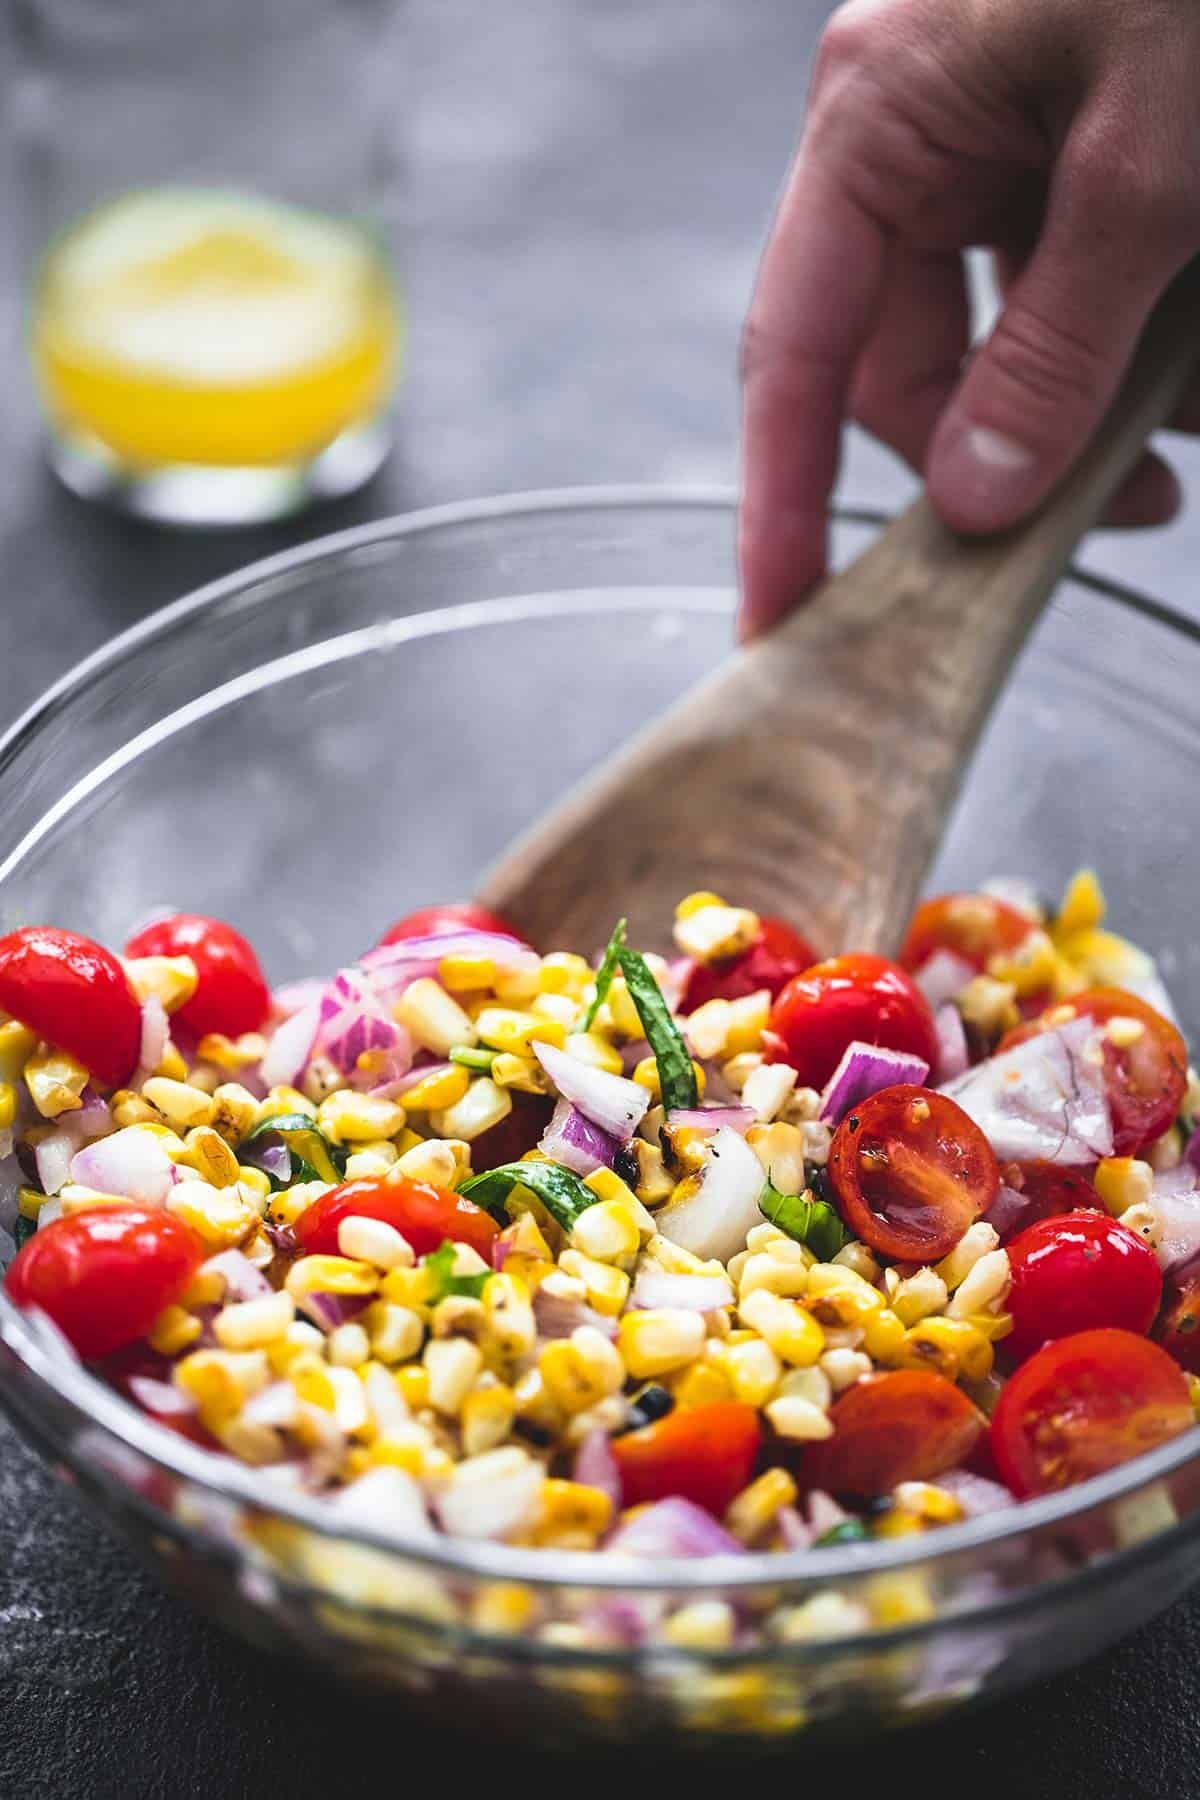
(814, 306)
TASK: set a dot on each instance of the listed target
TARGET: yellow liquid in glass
(181, 326)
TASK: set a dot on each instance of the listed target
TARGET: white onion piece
(943, 976)
(475, 1509)
(673, 1527)
(290, 1048)
(867, 1069)
(127, 1162)
(617, 1106)
(156, 1034)
(714, 1221)
(242, 1280)
(711, 1118)
(575, 1141)
(93, 1118)
(384, 1500)
(954, 1058)
(690, 1293)
(1044, 1100)
(277, 1405)
(48, 1213)
(53, 1157)
(975, 1493)
(163, 1397)
(596, 1466)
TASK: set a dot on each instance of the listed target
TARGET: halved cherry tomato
(705, 1454)
(973, 926)
(1076, 1273)
(906, 1425)
(911, 1171)
(104, 1275)
(516, 1133)
(776, 955)
(1178, 1327)
(1145, 1080)
(1084, 1404)
(423, 1214)
(231, 994)
(452, 915)
(1049, 1189)
(76, 995)
(860, 997)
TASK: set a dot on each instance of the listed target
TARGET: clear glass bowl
(314, 746)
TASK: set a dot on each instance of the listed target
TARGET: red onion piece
(287, 1054)
(1042, 1101)
(793, 1532)
(352, 1020)
(574, 1141)
(596, 1466)
(242, 1280)
(674, 1527)
(127, 1162)
(954, 1058)
(53, 1157)
(558, 1318)
(711, 1118)
(617, 1106)
(294, 996)
(689, 1293)
(943, 976)
(328, 1311)
(1176, 1202)
(393, 967)
(161, 1397)
(156, 1034)
(975, 1493)
(867, 1069)
(1007, 1212)
(93, 1118)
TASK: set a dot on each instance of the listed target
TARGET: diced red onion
(673, 1527)
(954, 1058)
(161, 1397)
(53, 1157)
(823, 1513)
(558, 1318)
(328, 1311)
(1176, 1203)
(287, 1054)
(1008, 1211)
(471, 1510)
(632, 1053)
(242, 1280)
(1043, 1100)
(283, 1239)
(867, 1069)
(294, 996)
(711, 1118)
(617, 1106)
(156, 1033)
(127, 1162)
(976, 1494)
(393, 967)
(690, 1293)
(793, 1532)
(574, 1141)
(596, 1466)
(94, 1118)
(715, 1219)
(274, 1160)
(624, 1618)
(943, 976)
(354, 1019)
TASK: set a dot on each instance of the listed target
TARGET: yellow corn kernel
(285, 1100)
(231, 1054)
(918, 1296)
(250, 1324)
(607, 1232)
(30, 1202)
(349, 1347)
(411, 1288)
(504, 1608)
(929, 1502)
(445, 1087)
(714, 932)
(898, 1521)
(708, 1029)
(659, 1340)
(434, 1018)
(350, 1118)
(412, 1385)
(17, 1045)
(977, 1241)
(791, 1331)
(748, 1018)
(655, 1182)
(1193, 1383)
(174, 1330)
(589, 1047)
(580, 1371)
(798, 1419)
(701, 1384)
(330, 1275)
(779, 1148)
(1122, 1182)
(483, 1105)
(8, 1104)
(778, 1274)
(171, 979)
(171, 1067)
(55, 1081)
(299, 1338)
(556, 1006)
(428, 1160)
(753, 1368)
(1082, 906)
(951, 1347)
(128, 1108)
(221, 1381)
(562, 972)
(621, 1010)
(607, 1287)
(453, 1366)
(466, 974)
(751, 1515)
(519, 1072)
(180, 1105)
(486, 1418)
(504, 1028)
(511, 1324)
(534, 1404)
(235, 1111)
(516, 987)
(571, 1515)
(901, 1597)
(309, 1376)
(207, 1152)
(76, 1199)
(989, 1005)
(395, 1333)
(694, 903)
(220, 1216)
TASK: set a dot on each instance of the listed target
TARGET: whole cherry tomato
(423, 1214)
(705, 1454)
(834, 1003)
(906, 1425)
(452, 915)
(1078, 1272)
(1084, 1404)
(911, 1171)
(1145, 1076)
(104, 1275)
(776, 955)
(76, 996)
(516, 1133)
(231, 994)
(1049, 1188)
(973, 926)
(1178, 1327)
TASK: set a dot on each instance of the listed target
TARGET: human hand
(1063, 134)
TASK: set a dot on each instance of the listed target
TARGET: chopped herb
(440, 1263)
(652, 1403)
(23, 1230)
(311, 1154)
(676, 1075)
(473, 1059)
(562, 1194)
(849, 1531)
(809, 1221)
(605, 973)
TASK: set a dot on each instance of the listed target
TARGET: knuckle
(1050, 365)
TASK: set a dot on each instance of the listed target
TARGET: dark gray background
(581, 188)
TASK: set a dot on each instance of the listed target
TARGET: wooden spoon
(811, 774)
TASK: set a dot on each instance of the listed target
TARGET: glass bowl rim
(228, 1481)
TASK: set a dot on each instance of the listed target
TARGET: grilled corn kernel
(780, 1150)
(444, 1088)
(520, 1073)
(174, 1330)
(985, 1285)
(659, 1339)
(581, 1370)
(857, 1257)
(608, 1187)
(55, 1081)
(486, 1418)
(330, 1275)
(466, 974)
(17, 1045)
(222, 1217)
(571, 1515)
(800, 1420)
(928, 1501)
(435, 1020)
(373, 1241)
(700, 1625)
(843, 1368)
(231, 1054)
(234, 1111)
(170, 979)
(251, 1324)
(590, 1048)
(676, 1260)
(350, 1118)
(708, 1029)
(646, 1075)
(738, 1070)
(777, 1274)
(654, 1183)
(459, 1315)
(753, 1368)
(453, 1366)
(180, 1105)
(768, 1089)
(482, 1106)
(976, 1241)
(918, 1296)
(504, 1028)
(430, 1161)
(1122, 1182)
(221, 1381)
(128, 1108)
(951, 1347)
(748, 1019)
(607, 1288)
(989, 1005)
(701, 1384)
(207, 1152)
(606, 1232)
(8, 1104)
(792, 1332)
(395, 1332)
(751, 1515)
(714, 932)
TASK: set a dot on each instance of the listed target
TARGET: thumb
(1033, 395)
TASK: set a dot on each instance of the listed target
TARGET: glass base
(196, 494)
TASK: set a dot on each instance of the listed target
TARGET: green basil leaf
(23, 1230)
(676, 1076)
(812, 1222)
(314, 1157)
(469, 1058)
(440, 1263)
(849, 1531)
(605, 973)
(561, 1193)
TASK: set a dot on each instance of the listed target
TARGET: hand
(1063, 134)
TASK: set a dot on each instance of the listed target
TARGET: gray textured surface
(582, 192)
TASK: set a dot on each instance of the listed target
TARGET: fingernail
(993, 451)
(981, 480)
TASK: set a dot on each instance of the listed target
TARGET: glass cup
(213, 323)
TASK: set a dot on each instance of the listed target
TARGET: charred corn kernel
(655, 1182)
(286, 1207)
(170, 979)
(434, 1018)
(445, 1087)
(985, 1285)
(700, 1625)
(826, 1615)
(220, 1216)
(128, 1108)
(251, 1324)
(17, 1045)
(978, 1240)
(607, 1416)
(395, 1332)
(767, 1090)
(707, 1029)
(430, 1161)
(778, 1275)
(172, 1067)
(534, 1404)
(180, 1105)
(713, 932)
(1122, 1182)
(748, 1018)
(55, 1082)
(74, 1198)
(348, 1347)
(900, 1597)
(412, 1385)
(519, 1072)
(505, 1028)
(207, 1152)
(486, 1418)
(989, 1005)
(459, 1315)
(350, 1118)
(697, 902)
(511, 1325)
(1144, 1219)
(753, 1368)
(221, 1381)
(817, 1139)
(857, 1257)
(330, 1275)
(919, 1295)
(780, 1150)
(571, 1515)
(928, 1501)
(801, 1421)
(606, 1232)
(804, 1107)
(466, 974)
(685, 1149)
(174, 1330)
(580, 1371)
(482, 1106)
(751, 1515)
(651, 1128)
(659, 1339)
(453, 1366)
(607, 1288)
(792, 1332)
(701, 1384)
(951, 1347)
(231, 1054)
(1082, 906)
(374, 1241)
(235, 1111)
(590, 1048)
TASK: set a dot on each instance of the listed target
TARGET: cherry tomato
(516, 1133)
(1075, 1273)
(76, 995)
(1144, 1080)
(847, 998)
(911, 1171)
(705, 1454)
(777, 954)
(231, 994)
(104, 1275)
(452, 915)
(906, 1425)
(423, 1214)
(973, 926)
(1049, 1189)
(1178, 1327)
(1084, 1404)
